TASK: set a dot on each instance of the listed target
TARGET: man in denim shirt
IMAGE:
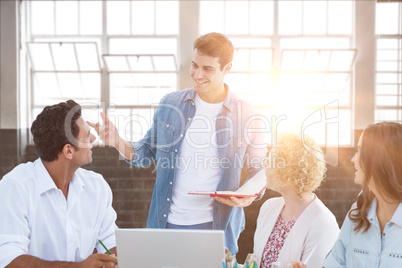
(200, 138)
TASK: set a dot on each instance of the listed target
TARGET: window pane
(118, 17)
(387, 78)
(87, 57)
(236, 17)
(40, 56)
(64, 57)
(66, 17)
(386, 115)
(387, 101)
(259, 60)
(167, 17)
(251, 42)
(314, 43)
(387, 66)
(140, 63)
(261, 17)
(132, 124)
(387, 89)
(389, 54)
(143, 46)
(118, 63)
(341, 60)
(340, 17)
(315, 17)
(212, 16)
(290, 19)
(386, 43)
(46, 86)
(387, 18)
(91, 17)
(143, 17)
(42, 21)
(164, 63)
(140, 89)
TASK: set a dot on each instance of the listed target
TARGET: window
(123, 56)
(304, 57)
(388, 99)
(118, 56)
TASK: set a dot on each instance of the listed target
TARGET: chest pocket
(360, 258)
(165, 137)
(394, 260)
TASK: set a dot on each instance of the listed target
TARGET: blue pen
(223, 264)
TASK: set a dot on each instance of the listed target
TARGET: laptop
(169, 248)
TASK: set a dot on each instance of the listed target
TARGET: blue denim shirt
(235, 139)
(368, 249)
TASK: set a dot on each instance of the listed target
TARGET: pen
(223, 264)
(110, 253)
(235, 264)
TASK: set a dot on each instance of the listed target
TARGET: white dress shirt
(36, 219)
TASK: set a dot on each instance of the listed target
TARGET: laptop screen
(169, 248)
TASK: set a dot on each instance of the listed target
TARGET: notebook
(251, 188)
(169, 248)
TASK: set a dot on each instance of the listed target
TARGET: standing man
(200, 139)
(53, 213)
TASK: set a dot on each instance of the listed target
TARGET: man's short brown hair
(215, 45)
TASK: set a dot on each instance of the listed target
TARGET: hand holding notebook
(251, 188)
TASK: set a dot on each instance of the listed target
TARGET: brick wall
(132, 187)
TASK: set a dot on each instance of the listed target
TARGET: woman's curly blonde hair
(303, 164)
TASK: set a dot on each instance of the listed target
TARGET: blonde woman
(296, 226)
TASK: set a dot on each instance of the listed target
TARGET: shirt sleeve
(108, 225)
(145, 149)
(14, 228)
(337, 256)
(255, 153)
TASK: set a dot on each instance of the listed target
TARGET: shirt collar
(396, 218)
(228, 103)
(46, 183)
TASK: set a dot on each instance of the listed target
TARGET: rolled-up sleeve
(14, 229)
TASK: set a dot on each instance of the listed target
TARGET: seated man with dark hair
(53, 213)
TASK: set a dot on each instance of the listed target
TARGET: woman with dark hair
(371, 235)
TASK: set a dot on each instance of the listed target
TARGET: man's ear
(68, 151)
(227, 67)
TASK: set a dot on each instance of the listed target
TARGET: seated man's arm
(93, 261)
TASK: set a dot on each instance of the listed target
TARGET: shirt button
(189, 118)
(181, 135)
(192, 103)
(164, 215)
(168, 199)
(171, 182)
(167, 125)
(172, 167)
(175, 150)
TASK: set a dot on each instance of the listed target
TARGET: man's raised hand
(107, 132)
